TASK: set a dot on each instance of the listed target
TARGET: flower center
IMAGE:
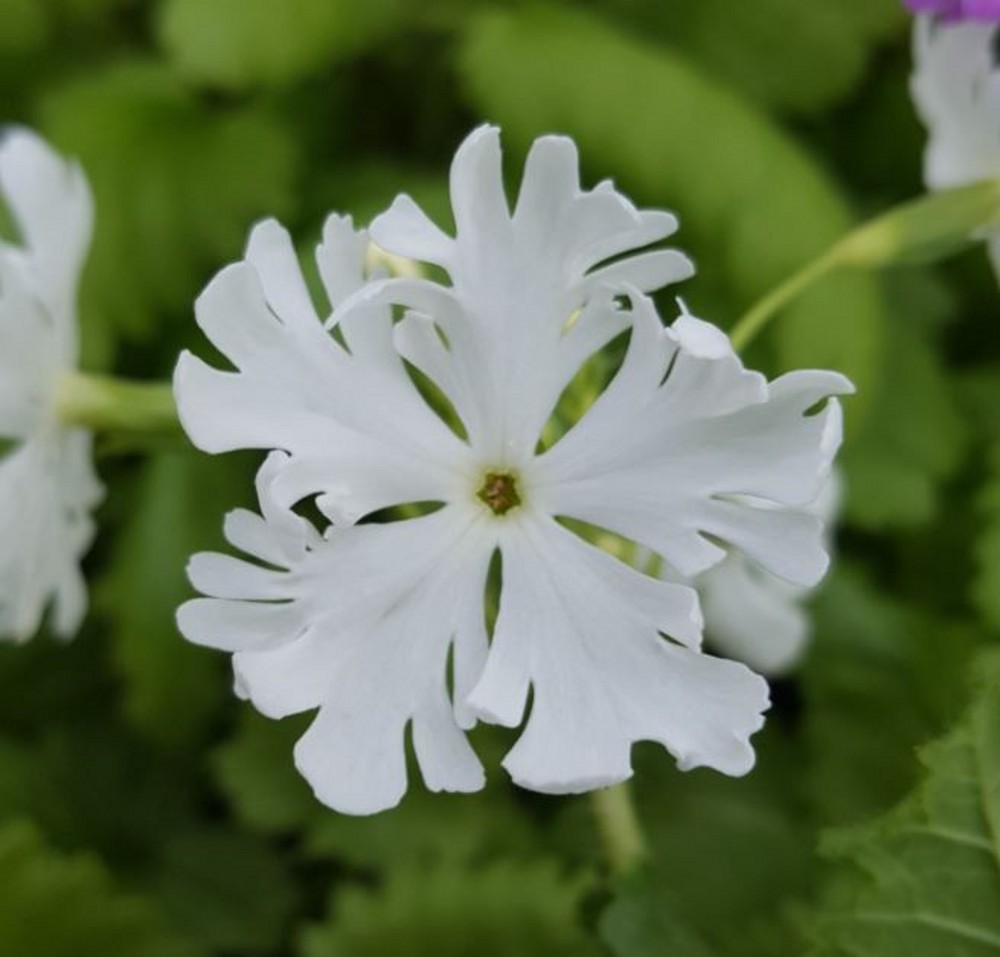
(499, 492)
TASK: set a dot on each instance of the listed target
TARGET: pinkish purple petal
(987, 11)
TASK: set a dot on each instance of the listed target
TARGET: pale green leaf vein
(954, 836)
(946, 925)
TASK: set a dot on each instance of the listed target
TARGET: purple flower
(986, 11)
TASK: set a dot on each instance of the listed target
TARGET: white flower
(381, 625)
(754, 616)
(956, 90)
(47, 483)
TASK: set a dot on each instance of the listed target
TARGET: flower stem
(106, 404)
(621, 833)
(767, 308)
(920, 230)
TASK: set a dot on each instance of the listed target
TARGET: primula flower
(382, 625)
(987, 11)
(956, 90)
(47, 483)
(754, 616)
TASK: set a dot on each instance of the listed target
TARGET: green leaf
(986, 585)
(880, 679)
(978, 391)
(26, 26)
(505, 910)
(241, 43)
(925, 878)
(757, 825)
(93, 785)
(172, 688)
(176, 185)
(787, 54)
(642, 921)
(254, 770)
(693, 820)
(754, 205)
(65, 681)
(229, 890)
(52, 905)
(76, 12)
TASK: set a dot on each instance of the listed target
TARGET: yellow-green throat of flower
(499, 492)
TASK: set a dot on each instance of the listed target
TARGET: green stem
(921, 230)
(106, 404)
(767, 308)
(621, 832)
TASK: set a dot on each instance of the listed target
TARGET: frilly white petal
(994, 252)
(647, 271)
(223, 576)
(340, 257)
(235, 625)
(47, 491)
(752, 616)
(600, 674)
(51, 200)
(31, 355)
(956, 90)
(517, 278)
(701, 339)
(412, 233)
(271, 254)
(360, 625)
(477, 194)
(354, 425)
(709, 450)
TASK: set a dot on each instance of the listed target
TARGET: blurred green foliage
(985, 592)
(916, 436)
(58, 906)
(174, 185)
(502, 909)
(145, 810)
(925, 879)
(177, 502)
(245, 44)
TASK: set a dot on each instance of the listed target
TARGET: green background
(143, 810)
